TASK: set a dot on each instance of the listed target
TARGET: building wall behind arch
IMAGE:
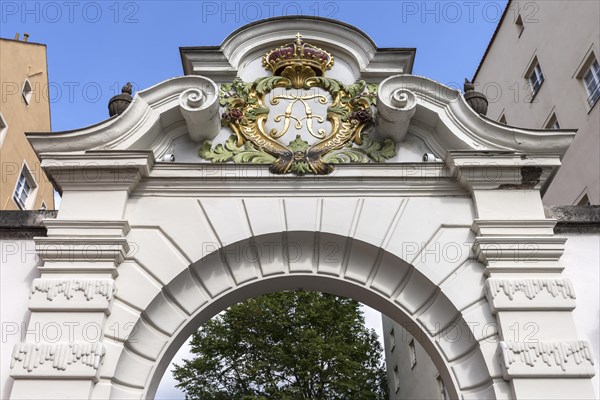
(546, 33)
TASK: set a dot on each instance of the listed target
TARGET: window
(27, 91)
(3, 128)
(502, 119)
(588, 72)
(591, 81)
(552, 122)
(413, 353)
(535, 78)
(43, 206)
(584, 201)
(24, 188)
(519, 25)
(441, 388)
(392, 340)
(396, 379)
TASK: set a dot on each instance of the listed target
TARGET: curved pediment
(328, 118)
(356, 54)
(442, 118)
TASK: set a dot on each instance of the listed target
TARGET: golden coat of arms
(299, 83)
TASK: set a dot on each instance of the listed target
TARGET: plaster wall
(582, 258)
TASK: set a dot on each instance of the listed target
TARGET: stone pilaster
(525, 288)
(64, 346)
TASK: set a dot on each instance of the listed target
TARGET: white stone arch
(131, 222)
(457, 330)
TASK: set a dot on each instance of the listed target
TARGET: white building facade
(312, 179)
(541, 71)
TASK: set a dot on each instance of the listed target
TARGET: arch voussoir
(291, 260)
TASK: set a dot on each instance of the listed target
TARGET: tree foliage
(289, 346)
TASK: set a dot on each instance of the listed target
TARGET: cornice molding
(67, 227)
(520, 253)
(81, 249)
(249, 180)
(98, 170)
(511, 227)
(503, 170)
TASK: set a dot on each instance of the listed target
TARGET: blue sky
(94, 47)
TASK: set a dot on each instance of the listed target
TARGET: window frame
(396, 374)
(552, 121)
(17, 192)
(443, 392)
(27, 92)
(535, 71)
(412, 350)
(502, 119)
(593, 70)
(584, 200)
(520, 25)
(3, 128)
(582, 69)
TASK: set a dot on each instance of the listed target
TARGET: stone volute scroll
(200, 108)
(395, 106)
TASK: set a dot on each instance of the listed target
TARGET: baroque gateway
(300, 134)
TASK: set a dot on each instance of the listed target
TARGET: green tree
(289, 346)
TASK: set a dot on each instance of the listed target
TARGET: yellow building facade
(24, 107)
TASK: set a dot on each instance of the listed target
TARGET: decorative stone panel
(547, 359)
(530, 294)
(71, 294)
(56, 360)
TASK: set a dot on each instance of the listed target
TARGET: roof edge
(24, 42)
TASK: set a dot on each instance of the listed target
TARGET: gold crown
(298, 53)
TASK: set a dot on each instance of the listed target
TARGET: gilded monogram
(302, 67)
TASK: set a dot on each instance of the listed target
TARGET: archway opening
(323, 285)
(296, 344)
(363, 272)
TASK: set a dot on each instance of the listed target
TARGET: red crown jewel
(298, 53)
